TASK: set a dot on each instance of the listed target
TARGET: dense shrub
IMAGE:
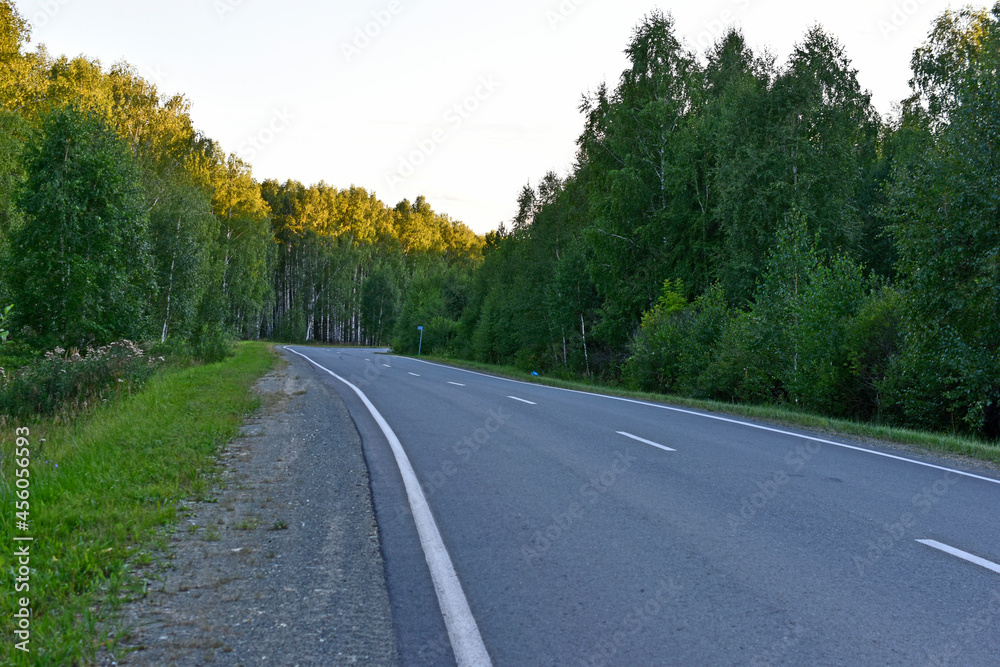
(176, 347)
(813, 337)
(71, 382)
(15, 354)
(942, 379)
(742, 367)
(710, 314)
(873, 338)
(656, 350)
(820, 377)
(210, 344)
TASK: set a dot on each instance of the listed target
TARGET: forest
(743, 230)
(733, 228)
(120, 220)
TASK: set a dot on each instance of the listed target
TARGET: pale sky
(462, 102)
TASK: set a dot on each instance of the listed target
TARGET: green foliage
(67, 383)
(947, 210)
(795, 142)
(210, 344)
(821, 378)
(439, 334)
(14, 354)
(380, 303)
(4, 323)
(703, 349)
(79, 269)
(434, 301)
(742, 367)
(175, 349)
(292, 326)
(182, 230)
(13, 30)
(800, 341)
(14, 33)
(671, 300)
(532, 301)
(14, 132)
(344, 260)
(709, 316)
(770, 193)
(104, 487)
(242, 254)
(873, 338)
(659, 345)
(645, 197)
(802, 312)
(958, 42)
(763, 191)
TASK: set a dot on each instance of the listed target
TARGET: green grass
(247, 523)
(101, 486)
(932, 442)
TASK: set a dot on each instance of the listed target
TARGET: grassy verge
(934, 442)
(99, 488)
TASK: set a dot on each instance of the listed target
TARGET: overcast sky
(463, 102)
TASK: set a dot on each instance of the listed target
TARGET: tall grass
(101, 486)
(67, 383)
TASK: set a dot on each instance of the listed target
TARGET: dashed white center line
(648, 442)
(457, 384)
(522, 400)
(414, 374)
(720, 418)
(387, 365)
(964, 555)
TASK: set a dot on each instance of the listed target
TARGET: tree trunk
(170, 281)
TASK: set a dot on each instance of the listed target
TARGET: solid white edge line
(463, 632)
(648, 442)
(522, 400)
(721, 419)
(964, 555)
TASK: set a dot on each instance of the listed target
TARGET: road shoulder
(285, 565)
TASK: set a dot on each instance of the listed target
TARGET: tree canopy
(733, 227)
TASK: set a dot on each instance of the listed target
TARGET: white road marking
(964, 555)
(522, 400)
(466, 642)
(414, 374)
(387, 365)
(457, 384)
(720, 418)
(648, 442)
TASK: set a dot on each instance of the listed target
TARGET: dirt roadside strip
(284, 568)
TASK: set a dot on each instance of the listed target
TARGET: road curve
(585, 529)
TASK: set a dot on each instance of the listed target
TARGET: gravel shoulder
(285, 566)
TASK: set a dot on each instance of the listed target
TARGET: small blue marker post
(420, 345)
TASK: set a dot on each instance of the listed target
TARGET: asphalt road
(590, 530)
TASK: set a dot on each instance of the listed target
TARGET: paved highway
(575, 528)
